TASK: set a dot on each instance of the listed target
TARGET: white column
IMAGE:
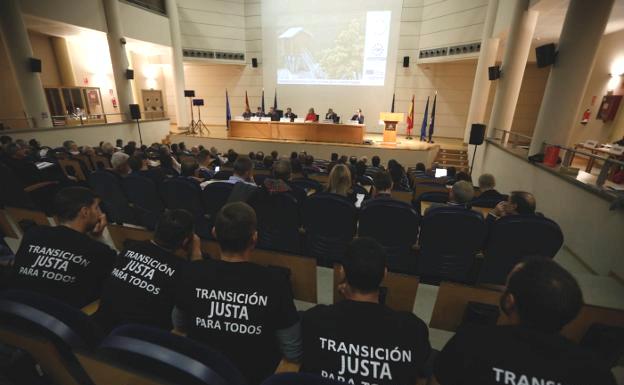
(177, 64)
(583, 28)
(19, 51)
(487, 58)
(118, 56)
(517, 48)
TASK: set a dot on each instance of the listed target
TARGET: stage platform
(406, 152)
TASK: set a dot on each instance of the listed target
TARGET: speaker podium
(390, 120)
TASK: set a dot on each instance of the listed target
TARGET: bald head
(462, 192)
(282, 170)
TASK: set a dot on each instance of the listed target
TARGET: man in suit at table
(358, 116)
(273, 115)
(331, 115)
(290, 115)
(259, 113)
(247, 114)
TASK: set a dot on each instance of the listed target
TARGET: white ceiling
(550, 20)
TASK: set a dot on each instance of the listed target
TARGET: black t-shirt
(62, 263)
(516, 355)
(141, 287)
(364, 343)
(236, 307)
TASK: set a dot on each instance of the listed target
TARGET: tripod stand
(199, 126)
(193, 123)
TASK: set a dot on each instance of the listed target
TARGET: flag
(423, 127)
(410, 117)
(275, 101)
(247, 102)
(228, 114)
(392, 108)
(263, 100)
(431, 125)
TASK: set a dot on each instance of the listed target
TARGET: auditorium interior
(440, 93)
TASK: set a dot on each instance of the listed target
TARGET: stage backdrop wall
(313, 42)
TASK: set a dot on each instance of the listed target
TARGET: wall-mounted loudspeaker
(135, 111)
(198, 102)
(189, 93)
(405, 61)
(35, 64)
(477, 134)
(254, 62)
(493, 72)
(546, 55)
(129, 74)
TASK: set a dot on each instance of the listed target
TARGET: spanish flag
(410, 118)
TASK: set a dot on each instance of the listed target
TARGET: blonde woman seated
(339, 181)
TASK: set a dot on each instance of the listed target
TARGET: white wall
(213, 24)
(152, 131)
(143, 25)
(450, 22)
(82, 13)
(610, 54)
(590, 230)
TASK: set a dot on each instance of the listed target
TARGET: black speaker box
(135, 111)
(35, 64)
(189, 93)
(254, 62)
(129, 74)
(405, 61)
(545, 55)
(477, 134)
(198, 102)
(493, 72)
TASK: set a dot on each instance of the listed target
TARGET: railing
(607, 162)
(511, 139)
(72, 120)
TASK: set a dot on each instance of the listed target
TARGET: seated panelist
(290, 115)
(273, 114)
(358, 116)
(331, 115)
(247, 114)
(311, 116)
(259, 113)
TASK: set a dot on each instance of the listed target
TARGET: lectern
(390, 120)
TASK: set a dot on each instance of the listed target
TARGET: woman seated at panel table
(311, 116)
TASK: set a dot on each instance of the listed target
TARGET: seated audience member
(382, 185)
(486, 187)
(421, 170)
(375, 166)
(353, 160)
(400, 180)
(460, 195)
(119, 144)
(273, 114)
(107, 149)
(311, 116)
(141, 287)
(339, 181)
(462, 175)
(331, 115)
(358, 116)
(244, 310)
(67, 261)
(167, 165)
(290, 115)
(343, 159)
(274, 155)
(247, 114)
(296, 169)
(360, 174)
(15, 157)
(190, 168)
(451, 175)
(267, 162)
(70, 147)
(333, 160)
(259, 157)
(309, 166)
(279, 181)
(205, 160)
(518, 203)
(138, 166)
(259, 112)
(244, 184)
(398, 342)
(231, 158)
(540, 299)
(119, 162)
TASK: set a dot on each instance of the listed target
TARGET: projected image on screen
(352, 52)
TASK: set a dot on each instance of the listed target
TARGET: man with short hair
(382, 185)
(375, 166)
(518, 203)
(243, 171)
(242, 309)
(119, 162)
(488, 193)
(460, 195)
(358, 340)
(66, 262)
(259, 113)
(290, 115)
(205, 160)
(141, 287)
(540, 299)
(138, 166)
(273, 114)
